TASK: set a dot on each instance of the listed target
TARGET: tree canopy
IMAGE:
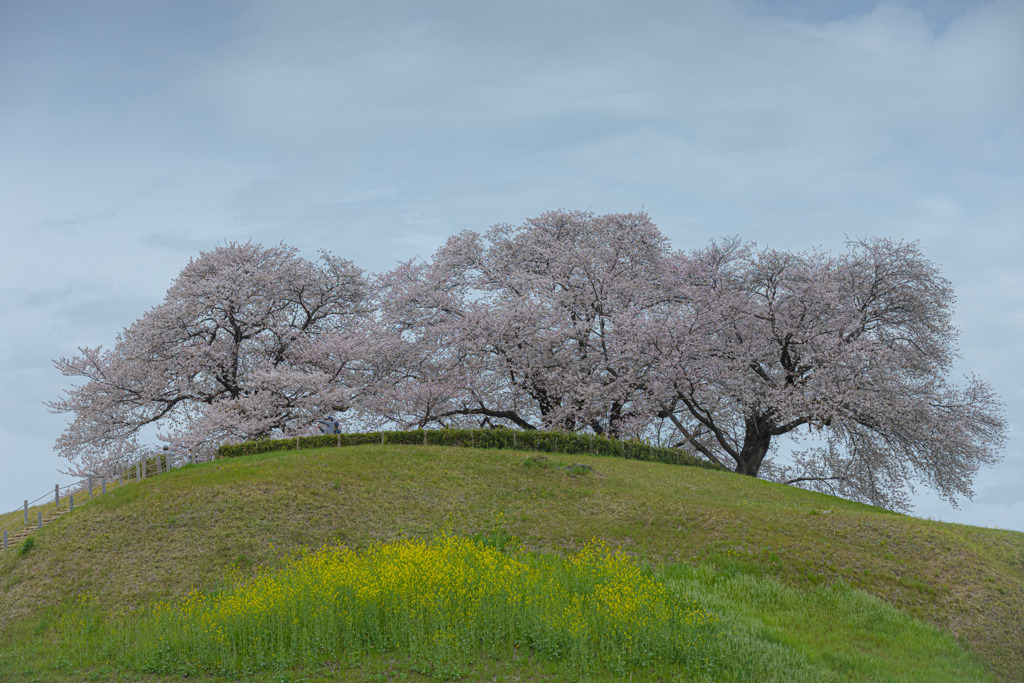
(235, 351)
(539, 326)
(854, 348)
(570, 321)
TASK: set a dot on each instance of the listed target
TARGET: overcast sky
(134, 134)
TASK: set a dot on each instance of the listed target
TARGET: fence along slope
(17, 525)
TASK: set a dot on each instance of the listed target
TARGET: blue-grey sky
(135, 133)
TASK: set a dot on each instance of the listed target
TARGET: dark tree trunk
(756, 440)
(614, 419)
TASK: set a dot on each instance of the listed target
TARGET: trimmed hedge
(546, 442)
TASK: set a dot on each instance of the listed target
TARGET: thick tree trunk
(614, 419)
(756, 441)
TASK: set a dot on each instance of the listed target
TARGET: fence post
(5, 539)
(71, 503)
(339, 439)
(56, 495)
(26, 513)
(39, 520)
(90, 486)
(120, 477)
(103, 485)
(382, 437)
(138, 471)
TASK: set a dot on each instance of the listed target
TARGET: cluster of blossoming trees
(570, 321)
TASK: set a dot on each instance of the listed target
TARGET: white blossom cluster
(569, 321)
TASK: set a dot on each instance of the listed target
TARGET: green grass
(831, 632)
(792, 573)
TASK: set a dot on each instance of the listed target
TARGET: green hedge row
(547, 442)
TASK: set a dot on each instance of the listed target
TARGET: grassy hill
(770, 554)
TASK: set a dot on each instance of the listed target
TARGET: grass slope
(160, 538)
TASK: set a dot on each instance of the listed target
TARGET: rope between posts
(31, 515)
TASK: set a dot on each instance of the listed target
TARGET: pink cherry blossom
(538, 326)
(853, 347)
(570, 321)
(228, 355)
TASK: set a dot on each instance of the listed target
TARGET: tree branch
(693, 441)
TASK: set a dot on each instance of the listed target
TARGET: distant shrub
(27, 545)
(503, 438)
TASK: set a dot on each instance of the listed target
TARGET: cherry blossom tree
(568, 321)
(249, 342)
(542, 325)
(854, 348)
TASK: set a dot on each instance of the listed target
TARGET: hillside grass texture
(776, 562)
